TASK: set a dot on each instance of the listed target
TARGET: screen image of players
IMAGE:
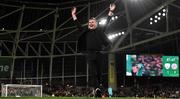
(144, 65)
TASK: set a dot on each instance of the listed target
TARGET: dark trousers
(95, 68)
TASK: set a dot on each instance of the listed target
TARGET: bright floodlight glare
(113, 36)
(112, 18)
(155, 21)
(156, 16)
(159, 18)
(151, 19)
(164, 14)
(116, 17)
(122, 33)
(159, 14)
(119, 33)
(116, 35)
(164, 10)
(103, 22)
(110, 37)
(151, 23)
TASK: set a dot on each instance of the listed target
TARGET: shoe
(98, 92)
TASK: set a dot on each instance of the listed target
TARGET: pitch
(77, 98)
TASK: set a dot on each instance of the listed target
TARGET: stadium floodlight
(155, 21)
(164, 14)
(159, 14)
(156, 16)
(112, 36)
(164, 10)
(103, 22)
(151, 23)
(151, 19)
(122, 33)
(119, 33)
(113, 18)
(159, 18)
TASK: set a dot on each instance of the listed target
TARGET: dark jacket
(92, 40)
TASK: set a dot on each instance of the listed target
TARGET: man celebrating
(92, 41)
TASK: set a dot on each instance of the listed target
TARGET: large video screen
(152, 65)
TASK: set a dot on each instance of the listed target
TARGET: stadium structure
(38, 40)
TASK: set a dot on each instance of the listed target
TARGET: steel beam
(148, 30)
(10, 13)
(16, 42)
(149, 40)
(140, 21)
(5, 46)
(52, 45)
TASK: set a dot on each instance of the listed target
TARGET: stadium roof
(41, 33)
(50, 20)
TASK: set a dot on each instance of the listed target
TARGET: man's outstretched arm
(73, 13)
(112, 7)
(107, 43)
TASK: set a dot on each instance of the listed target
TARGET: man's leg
(95, 70)
(92, 73)
(99, 66)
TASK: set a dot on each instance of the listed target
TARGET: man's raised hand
(73, 13)
(112, 7)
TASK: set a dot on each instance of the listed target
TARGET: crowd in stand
(68, 90)
(167, 92)
(143, 91)
(154, 90)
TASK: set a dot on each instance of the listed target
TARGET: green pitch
(75, 98)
